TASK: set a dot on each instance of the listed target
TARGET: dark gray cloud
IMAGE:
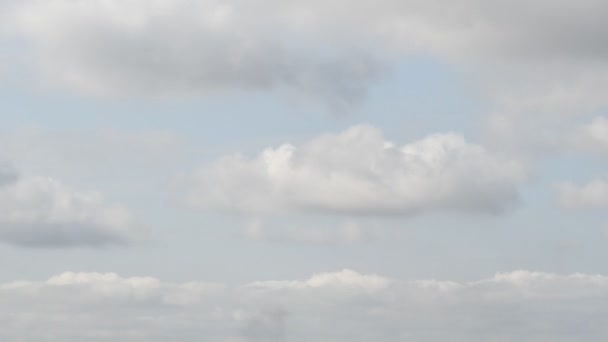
(55, 235)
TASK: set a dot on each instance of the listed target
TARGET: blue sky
(244, 169)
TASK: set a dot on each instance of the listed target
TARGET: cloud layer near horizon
(335, 306)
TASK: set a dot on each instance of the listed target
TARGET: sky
(270, 171)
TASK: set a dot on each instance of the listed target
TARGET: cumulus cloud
(44, 212)
(333, 306)
(591, 195)
(359, 172)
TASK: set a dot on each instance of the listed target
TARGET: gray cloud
(334, 306)
(538, 63)
(184, 47)
(44, 212)
(330, 49)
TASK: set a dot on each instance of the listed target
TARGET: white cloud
(592, 136)
(43, 212)
(359, 172)
(343, 280)
(591, 195)
(101, 286)
(340, 306)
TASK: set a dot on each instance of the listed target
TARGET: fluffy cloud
(340, 306)
(591, 195)
(43, 212)
(359, 172)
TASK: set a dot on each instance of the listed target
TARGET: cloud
(332, 306)
(183, 47)
(359, 172)
(591, 195)
(99, 286)
(536, 55)
(474, 28)
(344, 279)
(536, 64)
(44, 212)
(592, 137)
